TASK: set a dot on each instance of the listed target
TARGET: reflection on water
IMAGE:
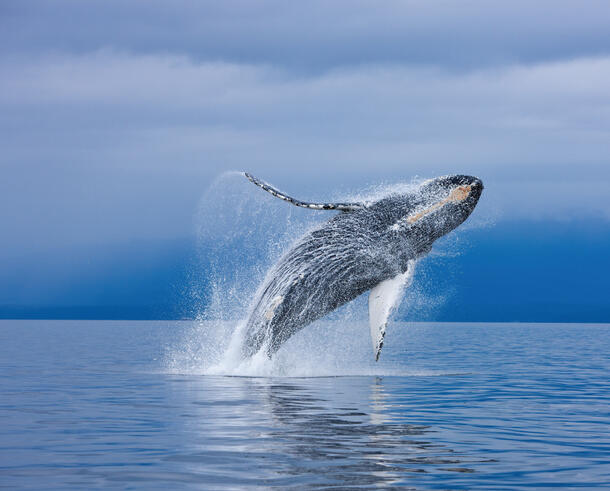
(323, 431)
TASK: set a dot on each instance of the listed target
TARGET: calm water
(450, 406)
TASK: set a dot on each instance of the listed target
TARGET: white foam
(323, 349)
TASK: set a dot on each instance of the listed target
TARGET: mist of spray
(241, 232)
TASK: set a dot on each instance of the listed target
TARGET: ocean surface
(152, 405)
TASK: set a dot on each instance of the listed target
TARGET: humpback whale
(367, 246)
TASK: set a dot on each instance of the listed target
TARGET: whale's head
(438, 206)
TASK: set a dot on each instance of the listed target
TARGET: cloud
(387, 104)
(316, 35)
(549, 114)
(112, 128)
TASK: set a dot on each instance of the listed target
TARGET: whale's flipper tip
(384, 298)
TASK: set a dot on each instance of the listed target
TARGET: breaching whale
(368, 246)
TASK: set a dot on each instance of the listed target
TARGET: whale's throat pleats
(383, 300)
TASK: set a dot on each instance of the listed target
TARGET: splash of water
(242, 233)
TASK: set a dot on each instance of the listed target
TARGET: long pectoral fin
(303, 204)
(383, 300)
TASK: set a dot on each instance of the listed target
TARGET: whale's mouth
(458, 194)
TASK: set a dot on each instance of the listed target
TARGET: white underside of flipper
(383, 300)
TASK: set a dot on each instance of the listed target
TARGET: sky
(116, 116)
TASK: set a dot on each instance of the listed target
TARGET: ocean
(150, 405)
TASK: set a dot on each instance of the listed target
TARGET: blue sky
(116, 116)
